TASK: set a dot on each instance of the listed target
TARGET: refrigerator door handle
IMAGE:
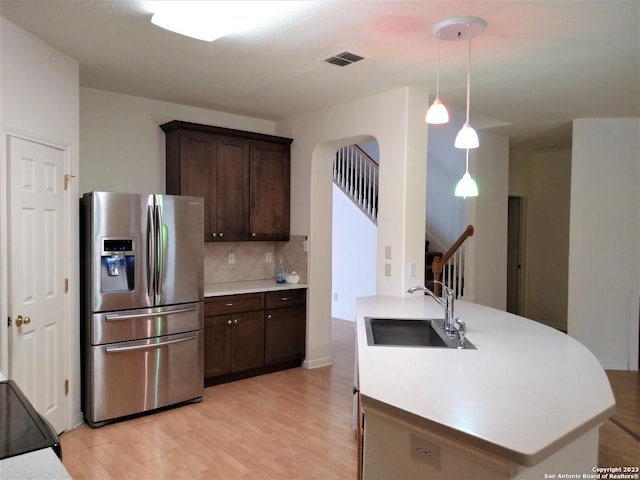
(159, 251)
(151, 254)
(146, 346)
(117, 316)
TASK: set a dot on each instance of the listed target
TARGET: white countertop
(251, 286)
(38, 464)
(527, 390)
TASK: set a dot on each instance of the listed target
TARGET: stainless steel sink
(399, 332)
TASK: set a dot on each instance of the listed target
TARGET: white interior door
(38, 309)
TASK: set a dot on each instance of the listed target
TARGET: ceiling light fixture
(437, 113)
(467, 186)
(456, 29)
(209, 21)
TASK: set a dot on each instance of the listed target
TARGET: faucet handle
(461, 330)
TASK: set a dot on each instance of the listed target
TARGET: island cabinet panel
(243, 176)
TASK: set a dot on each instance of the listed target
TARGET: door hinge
(67, 179)
(66, 285)
(66, 387)
(8, 321)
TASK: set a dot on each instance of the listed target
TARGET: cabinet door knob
(269, 316)
(253, 234)
(229, 322)
(221, 234)
(214, 234)
(235, 321)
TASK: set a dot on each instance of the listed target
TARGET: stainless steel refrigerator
(142, 303)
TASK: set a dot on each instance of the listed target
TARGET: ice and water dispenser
(117, 264)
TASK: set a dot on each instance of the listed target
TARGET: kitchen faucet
(447, 304)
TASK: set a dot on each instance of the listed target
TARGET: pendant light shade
(437, 113)
(467, 137)
(467, 186)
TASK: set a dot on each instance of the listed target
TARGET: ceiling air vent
(343, 59)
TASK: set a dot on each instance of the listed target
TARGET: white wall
(354, 250)
(395, 120)
(547, 252)
(39, 95)
(123, 148)
(488, 214)
(604, 243)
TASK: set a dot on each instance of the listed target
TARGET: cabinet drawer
(286, 298)
(245, 302)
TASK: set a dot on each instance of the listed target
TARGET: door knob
(20, 320)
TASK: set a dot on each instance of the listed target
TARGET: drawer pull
(284, 299)
(229, 304)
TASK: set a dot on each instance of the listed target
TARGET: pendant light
(467, 186)
(467, 136)
(456, 29)
(437, 113)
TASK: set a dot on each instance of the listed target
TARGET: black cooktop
(22, 429)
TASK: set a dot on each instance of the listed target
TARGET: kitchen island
(527, 402)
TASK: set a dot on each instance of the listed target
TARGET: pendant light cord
(468, 70)
(438, 70)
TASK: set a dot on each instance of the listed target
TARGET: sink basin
(398, 332)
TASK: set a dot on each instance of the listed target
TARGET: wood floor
(295, 424)
(620, 435)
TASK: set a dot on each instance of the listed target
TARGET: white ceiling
(538, 65)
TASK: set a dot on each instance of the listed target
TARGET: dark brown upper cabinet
(244, 178)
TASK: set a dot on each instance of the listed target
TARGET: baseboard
(613, 365)
(77, 420)
(317, 363)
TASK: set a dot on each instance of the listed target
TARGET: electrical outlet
(268, 258)
(387, 269)
(232, 258)
(425, 450)
(412, 269)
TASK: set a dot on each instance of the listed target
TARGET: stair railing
(451, 267)
(356, 174)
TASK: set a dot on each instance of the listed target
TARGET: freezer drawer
(124, 325)
(133, 377)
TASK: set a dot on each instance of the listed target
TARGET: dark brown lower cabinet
(240, 343)
(233, 343)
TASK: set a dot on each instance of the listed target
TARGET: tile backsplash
(250, 260)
